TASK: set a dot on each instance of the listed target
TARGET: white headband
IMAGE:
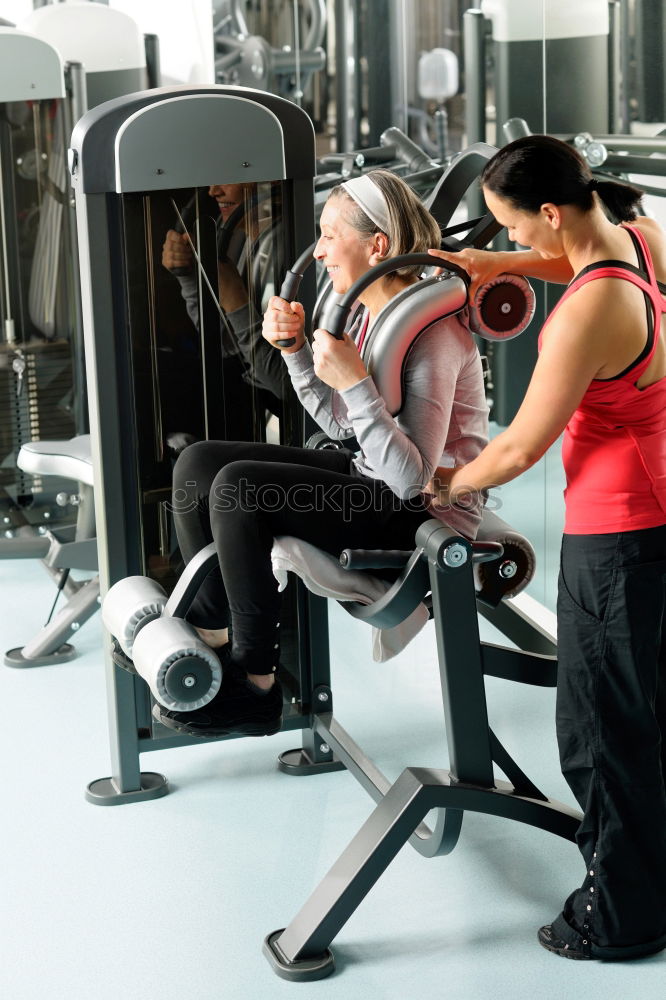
(371, 199)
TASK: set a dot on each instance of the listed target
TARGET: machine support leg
(50, 644)
(301, 950)
(127, 783)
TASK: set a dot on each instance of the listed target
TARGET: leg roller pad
(182, 672)
(129, 605)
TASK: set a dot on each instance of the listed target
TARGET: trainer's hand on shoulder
(481, 265)
(283, 321)
(337, 362)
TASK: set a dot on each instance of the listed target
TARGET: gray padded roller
(129, 605)
(182, 672)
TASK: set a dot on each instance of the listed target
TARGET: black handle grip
(486, 551)
(374, 558)
(291, 284)
(289, 291)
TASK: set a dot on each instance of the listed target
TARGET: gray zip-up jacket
(443, 420)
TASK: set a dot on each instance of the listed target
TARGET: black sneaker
(236, 710)
(551, 942)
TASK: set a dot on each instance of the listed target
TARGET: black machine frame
(441, 572)
(441, 565)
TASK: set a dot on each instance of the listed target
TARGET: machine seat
(69, 459)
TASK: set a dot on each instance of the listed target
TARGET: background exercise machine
(63, 60)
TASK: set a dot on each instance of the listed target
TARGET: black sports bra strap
(650, 306)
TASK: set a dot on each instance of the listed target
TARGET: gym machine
(62, 59)
(155, 653)
(246, 58)
(38, 305)
(647, 58)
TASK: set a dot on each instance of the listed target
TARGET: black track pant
(241, 495)
(611, 727)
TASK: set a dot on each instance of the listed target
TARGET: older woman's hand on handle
(283, 321)
(337, 362)
(481, 265)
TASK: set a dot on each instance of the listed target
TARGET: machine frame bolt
(454, 555)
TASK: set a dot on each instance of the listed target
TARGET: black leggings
(241, 495)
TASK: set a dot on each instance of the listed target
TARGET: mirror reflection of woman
(239, 298)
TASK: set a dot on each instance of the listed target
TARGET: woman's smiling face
(343, 252)
(228, 197)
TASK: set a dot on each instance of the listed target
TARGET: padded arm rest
(494, 579)
(511, 573)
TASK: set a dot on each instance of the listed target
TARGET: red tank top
(614, 447)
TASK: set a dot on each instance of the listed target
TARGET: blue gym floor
(171, 899)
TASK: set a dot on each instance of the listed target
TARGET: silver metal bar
(345, 72)
(152, 329)
(10, 332)
(298, 90)
(74, 108)
(475, 75)
(202, 270)
(633, 143)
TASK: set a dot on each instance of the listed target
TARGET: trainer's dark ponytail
(537, 169)
(622, 201)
